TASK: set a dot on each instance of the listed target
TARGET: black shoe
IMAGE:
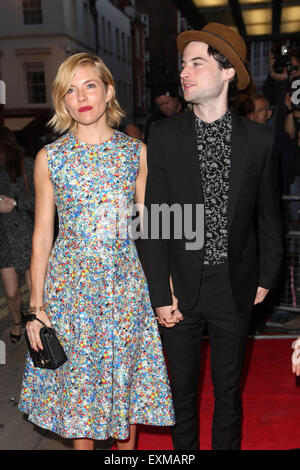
(16, 338)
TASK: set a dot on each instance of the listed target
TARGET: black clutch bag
(52, 356)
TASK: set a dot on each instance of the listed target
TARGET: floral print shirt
(214, 150)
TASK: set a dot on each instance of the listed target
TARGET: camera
(283, 60)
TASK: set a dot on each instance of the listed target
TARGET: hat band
(229, 44)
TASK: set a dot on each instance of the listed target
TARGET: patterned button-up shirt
(214, 149)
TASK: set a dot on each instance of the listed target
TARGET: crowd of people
(109, 312)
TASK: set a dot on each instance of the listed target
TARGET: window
(145, 20)
(32, 12)
(35, 81)
(103, 24)
(137, 44)
(123, 47)
(74, 16)
(118, 42)
(129, 49)
(259, 60)
(266, 48)
(110, 48)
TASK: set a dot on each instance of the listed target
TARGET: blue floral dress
(97, 300)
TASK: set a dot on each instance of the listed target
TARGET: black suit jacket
(255, 242)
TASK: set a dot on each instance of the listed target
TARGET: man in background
(261, 112)
(167, 101)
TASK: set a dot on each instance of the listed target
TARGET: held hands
(33, 330)
(6, 204)
(169, 315)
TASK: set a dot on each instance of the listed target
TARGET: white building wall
(67, 28)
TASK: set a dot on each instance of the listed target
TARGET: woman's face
(87, 97)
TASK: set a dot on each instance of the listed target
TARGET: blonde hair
(62, 121)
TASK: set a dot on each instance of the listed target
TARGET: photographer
(284, 69)
(258, 109)
(292, 120)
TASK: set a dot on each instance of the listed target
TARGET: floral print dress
(97, 300)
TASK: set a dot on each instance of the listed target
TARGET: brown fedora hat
(225, 40)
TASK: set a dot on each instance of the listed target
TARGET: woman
(95, 293)
(16, 223)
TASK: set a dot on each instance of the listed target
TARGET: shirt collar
(220, 123)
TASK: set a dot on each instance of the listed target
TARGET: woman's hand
(33, 330)
(6, 204)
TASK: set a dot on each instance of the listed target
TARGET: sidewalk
(16, 432)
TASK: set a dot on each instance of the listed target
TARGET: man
(214, 158)
(261, 112)
(167, 103)
(277, 85)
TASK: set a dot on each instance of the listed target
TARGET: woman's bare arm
(41, 242)
(141, 177)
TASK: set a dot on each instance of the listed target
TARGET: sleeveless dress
(97, 299)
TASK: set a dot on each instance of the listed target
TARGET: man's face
(167, 104)
(261, 113)
(201, 78)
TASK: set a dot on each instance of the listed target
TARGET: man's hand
(260, 295)
(277, 76)
(6, 204)
(169, 315)
(296, 357)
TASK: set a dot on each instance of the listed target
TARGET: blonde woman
(90, 287)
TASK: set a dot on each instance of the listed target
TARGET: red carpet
(271, 402)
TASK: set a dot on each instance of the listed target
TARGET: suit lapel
(190, 152)
(238, 161)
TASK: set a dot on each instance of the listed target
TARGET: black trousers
(228, 332)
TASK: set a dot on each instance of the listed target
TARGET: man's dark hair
(165, 87)
(260, 96)
(224, 63)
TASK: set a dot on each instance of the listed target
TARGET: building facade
(163, 22)
(139, 33)
(36, 36)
